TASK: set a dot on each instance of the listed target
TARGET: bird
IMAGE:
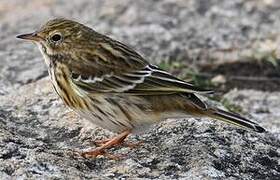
(111, 85)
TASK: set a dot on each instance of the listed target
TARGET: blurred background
(217, 44)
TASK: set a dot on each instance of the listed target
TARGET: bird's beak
(31, 36)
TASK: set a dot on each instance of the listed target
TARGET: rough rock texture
(38, 135)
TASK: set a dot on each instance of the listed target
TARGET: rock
(218, 80)
(262, 106)
(39, 136)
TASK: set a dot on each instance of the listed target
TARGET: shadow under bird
(109, 84)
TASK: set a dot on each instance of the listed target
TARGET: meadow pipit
(114, 87)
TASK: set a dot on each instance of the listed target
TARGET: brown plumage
(111, 85)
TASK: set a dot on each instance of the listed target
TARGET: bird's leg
(101, 142)
(126, 144)
(109, 144)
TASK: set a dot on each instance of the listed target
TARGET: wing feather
(146, 81)
(112, 67)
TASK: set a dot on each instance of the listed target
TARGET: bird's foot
(93, 153)
(100, 152)
(124, 144)
(101, 142)
(107, 144)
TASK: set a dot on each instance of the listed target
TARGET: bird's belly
(118, 114)
(116, 125)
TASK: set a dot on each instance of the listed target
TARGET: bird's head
(60, 36)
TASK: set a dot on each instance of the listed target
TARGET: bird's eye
(56, 37)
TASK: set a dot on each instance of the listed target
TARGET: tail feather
(236, 119)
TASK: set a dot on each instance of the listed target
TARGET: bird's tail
(235, 119)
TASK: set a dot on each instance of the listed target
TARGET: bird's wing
(116, 68)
